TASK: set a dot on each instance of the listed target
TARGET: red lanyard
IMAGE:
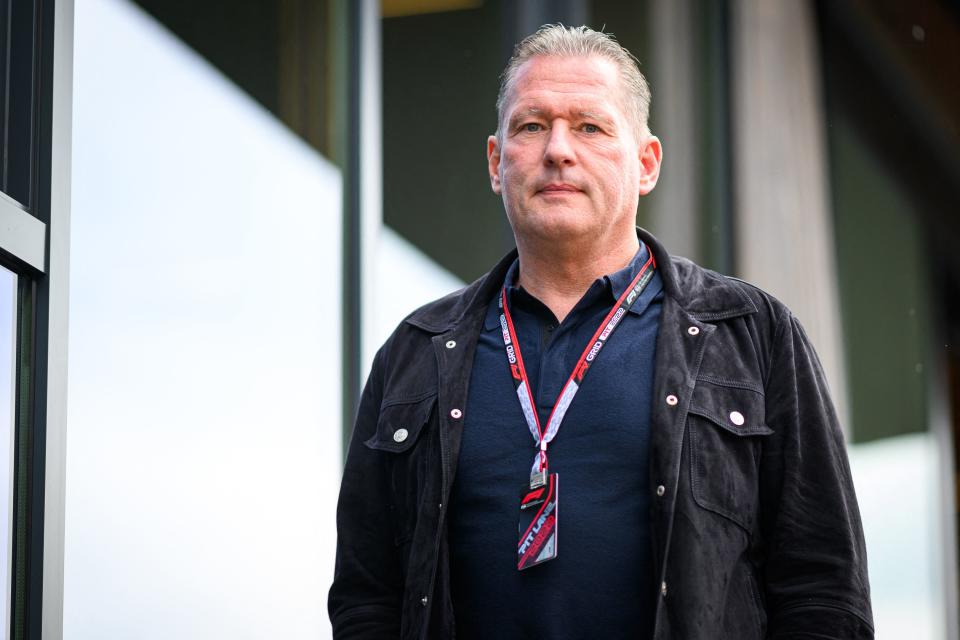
(521, 382)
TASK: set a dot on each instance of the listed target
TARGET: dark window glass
(18, 68)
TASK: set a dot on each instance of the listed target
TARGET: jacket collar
(703, 294)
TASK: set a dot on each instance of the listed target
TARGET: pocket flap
(739, 410)
(401, 422)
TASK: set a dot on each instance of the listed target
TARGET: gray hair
(561, 41)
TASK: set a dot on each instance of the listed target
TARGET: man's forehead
(589, 77)
(587, 73)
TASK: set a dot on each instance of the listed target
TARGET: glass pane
(17, 142)
(8, 336)
(886, 319)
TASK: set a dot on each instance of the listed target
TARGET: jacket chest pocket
(407, 442)
(727, 427)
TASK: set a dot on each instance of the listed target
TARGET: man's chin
(562, 228)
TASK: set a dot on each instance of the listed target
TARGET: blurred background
(214, 211)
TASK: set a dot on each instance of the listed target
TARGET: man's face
(569, 163)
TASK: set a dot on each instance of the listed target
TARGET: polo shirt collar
(614, 284)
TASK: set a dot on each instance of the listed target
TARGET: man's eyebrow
(529, 111)
(595, 115)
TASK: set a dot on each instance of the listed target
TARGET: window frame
(34, 244)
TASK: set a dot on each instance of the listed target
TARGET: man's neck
(558, 274)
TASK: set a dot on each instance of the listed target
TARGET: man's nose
(559, 150)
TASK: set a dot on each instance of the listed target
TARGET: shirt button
(693, 330)
(456, 413)
(424, 600)
(400, 435)
(736, 418)
(663, 589)
(451, 344)
(661, 490)
(672, 400)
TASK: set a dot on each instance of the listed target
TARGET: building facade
(227, 206)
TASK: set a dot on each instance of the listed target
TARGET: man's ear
(651, 156)
(493, 163)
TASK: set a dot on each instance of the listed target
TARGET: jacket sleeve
(815, 571)
(365, 598)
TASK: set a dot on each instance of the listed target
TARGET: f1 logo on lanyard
(538, 527)
(538, 499)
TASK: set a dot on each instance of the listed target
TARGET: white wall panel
(204, 399)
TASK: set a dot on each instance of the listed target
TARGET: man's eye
(591, 128)
(531, 127)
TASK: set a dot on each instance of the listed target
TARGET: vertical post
(57, 314)
(716, 165)
(363, 210)
(690, 210)
(371, 175)
(351, 306)
(784, 224)
(673, 205)
(942, 431)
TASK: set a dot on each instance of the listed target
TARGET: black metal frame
(30, 395)
(24, 484)
(26, 120)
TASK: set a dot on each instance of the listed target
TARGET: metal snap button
(400, 435)
(424, 600)
(663, 588)
(672, 400)
(451, 344)
(736, 418)
(693, 330)
(456, 413)
(661, 490)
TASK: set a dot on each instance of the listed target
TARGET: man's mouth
(558, 188)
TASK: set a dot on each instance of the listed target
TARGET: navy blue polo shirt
(601, 585)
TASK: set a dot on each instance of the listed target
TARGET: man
(706, 493)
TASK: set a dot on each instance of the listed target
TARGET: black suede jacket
(756, 528)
